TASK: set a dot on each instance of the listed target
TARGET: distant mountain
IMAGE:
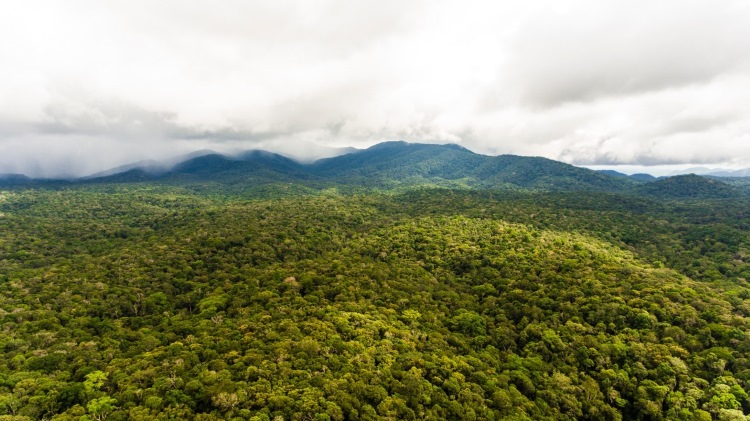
(250, 167)
(14, 177)
(270, 160)
(635, 177)
(131, 175)
(248, 162)
(715, 172)
(614, 173)
(692, 170)
(308, 153)
(545, 174)
(689, 186)
(642, 177)
(400, 164)
(386, 165)
(731, 173)
(148, 167)
(20, 180)
(207, 165)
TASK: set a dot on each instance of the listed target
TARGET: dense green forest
(149, 301)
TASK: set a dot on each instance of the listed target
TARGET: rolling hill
(689, 186)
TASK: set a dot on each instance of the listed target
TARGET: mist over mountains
(397, 164)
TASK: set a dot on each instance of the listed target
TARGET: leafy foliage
(145, 301)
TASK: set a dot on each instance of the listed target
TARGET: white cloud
(587, 82)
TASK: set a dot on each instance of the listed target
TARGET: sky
(644, 86)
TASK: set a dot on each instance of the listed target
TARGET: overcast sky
(87, 85)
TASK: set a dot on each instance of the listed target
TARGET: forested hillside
(689, 186)
(391, 166)
(147, 301)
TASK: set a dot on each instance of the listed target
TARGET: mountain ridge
(397, 164)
